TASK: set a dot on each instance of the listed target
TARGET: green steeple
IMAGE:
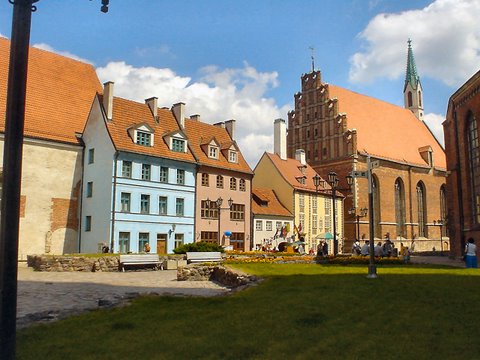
(411, 74)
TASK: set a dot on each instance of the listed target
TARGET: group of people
(387, 249)
(322, 249)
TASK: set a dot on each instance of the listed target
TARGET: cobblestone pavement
(47, 296)
(437, 260)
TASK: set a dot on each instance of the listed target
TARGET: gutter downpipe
(112, 235)
(459, 180)
(81, 200)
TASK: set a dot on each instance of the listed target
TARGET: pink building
(223, 185)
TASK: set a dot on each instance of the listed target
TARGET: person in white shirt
(471, 254)
(378, 250)
(365, 248)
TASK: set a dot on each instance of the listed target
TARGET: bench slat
(139, 259)
(197, 257)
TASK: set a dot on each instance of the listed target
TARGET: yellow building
(292, 181)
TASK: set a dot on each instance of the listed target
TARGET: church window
(410, 99)
(422, 210)
(308, 134)
(474, 162)
(400, 207)
(419, 98)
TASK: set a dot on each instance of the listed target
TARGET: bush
(201, 246)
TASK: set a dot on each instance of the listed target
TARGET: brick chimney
(153, 105)
(230, 127)
(108, 99)
(178, 110)
(280, 138)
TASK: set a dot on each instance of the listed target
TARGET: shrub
(198, 247)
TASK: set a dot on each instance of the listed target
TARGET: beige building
(292, 181)
(60, 91)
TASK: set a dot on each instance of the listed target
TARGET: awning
(325, 236)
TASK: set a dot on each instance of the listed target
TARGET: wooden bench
(200, 257)
(140, 260)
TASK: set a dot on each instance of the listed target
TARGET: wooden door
(161, 243)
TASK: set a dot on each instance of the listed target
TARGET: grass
(302, 311)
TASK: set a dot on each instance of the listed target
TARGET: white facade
(265, 228)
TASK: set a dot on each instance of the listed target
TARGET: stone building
(339, 129)
(462, 148)
(59, 96)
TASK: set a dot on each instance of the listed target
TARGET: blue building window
(178, 240)
(164, 174)
(178, 145)
(143, 138)
(124, 242)
(91, 156)
(125, 201)
(146, 171)
(162, 205)
(88, 223)
(180, 176)
(180, 208)
(126, 169)
(145, 204)
(89, 189)
(143, 239)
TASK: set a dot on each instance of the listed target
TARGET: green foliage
(301, 311)
(201, 246)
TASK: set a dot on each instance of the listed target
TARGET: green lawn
(301, 311)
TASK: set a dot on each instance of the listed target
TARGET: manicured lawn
(300, 312)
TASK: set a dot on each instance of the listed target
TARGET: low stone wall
(81, 263)
(215, 273)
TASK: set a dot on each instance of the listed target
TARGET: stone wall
(216, 273)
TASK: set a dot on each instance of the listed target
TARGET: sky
(243, 60)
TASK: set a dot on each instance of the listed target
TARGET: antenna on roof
(312, 56)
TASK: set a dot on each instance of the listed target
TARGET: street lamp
(217, 204)
(333, 181)
(440, 223)
(363, 212)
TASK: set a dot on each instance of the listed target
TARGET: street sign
(359, 174)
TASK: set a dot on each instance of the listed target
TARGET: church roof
(411, 76)
(60, 91)
(385, 130)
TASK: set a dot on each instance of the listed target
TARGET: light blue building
(139, 177)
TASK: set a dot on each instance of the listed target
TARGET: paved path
(46, 296)
(437, 260)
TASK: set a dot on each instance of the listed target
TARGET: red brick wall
(65, 212)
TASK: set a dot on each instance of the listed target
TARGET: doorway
(161, 244)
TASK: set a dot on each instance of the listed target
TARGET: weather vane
(312, 56)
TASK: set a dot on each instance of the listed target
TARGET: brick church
(339, 129)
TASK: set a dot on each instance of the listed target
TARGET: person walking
(471, 254)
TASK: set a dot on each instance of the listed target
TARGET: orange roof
(271, 206)
(199, 133)
(127, 113)
(291, 170)
(60, 91)
(386, 130)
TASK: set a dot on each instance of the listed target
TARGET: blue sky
(243, 59)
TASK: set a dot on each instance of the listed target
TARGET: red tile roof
(200, 133)
(60, 92)
(272, 206)
(386, 130)
(127, 113)
(291, 170)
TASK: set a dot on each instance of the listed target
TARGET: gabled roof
(291, 171)
(198, 131)
(60, 92)
(386, 130)
(127, 113)
(268, 197)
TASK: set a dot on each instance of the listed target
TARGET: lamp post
(363, 212)
(440, 223)
(218, 205)
(333, 182)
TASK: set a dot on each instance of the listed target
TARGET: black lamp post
(363, 212)
(333, 181)
(218, 205)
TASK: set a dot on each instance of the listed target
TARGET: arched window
(409, 98)
(233, 184)
(443, 209)
(377, 231)
(422, 210)
(419, 98)
(400, 207)
(474, 157)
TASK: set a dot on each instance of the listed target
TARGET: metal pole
(335, 245)
(372, 269)
(357, 235)
(12, 165)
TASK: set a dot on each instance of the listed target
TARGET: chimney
(220, 124)
(195, 117)
(280, 138)
(153, 105)
(179, 113)
(300, 156)
(108, 99)
(230, 126)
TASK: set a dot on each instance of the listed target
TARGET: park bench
(140, 260)
(200, 257)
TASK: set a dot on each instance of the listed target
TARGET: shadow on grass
(406, 313)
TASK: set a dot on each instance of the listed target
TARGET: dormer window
(213, 152)
(144, 138)
(232, 156)
(178, 145)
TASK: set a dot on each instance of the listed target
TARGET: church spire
(412, 90)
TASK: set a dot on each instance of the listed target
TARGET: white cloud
(218, 95)
(434, 122)
(446, 43)
(47, 47)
